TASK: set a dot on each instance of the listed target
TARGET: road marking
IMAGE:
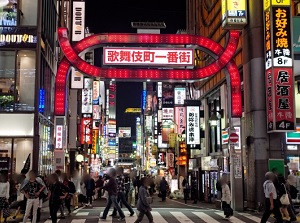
(83, 213)
(157, 218)
(78, 209)
(205, 217)
(181, 217)
(130, 219)
(189, 205)
(253, 218)
(78, 221)
(231, 219)
(50, 221)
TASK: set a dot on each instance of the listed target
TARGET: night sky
(115, 16)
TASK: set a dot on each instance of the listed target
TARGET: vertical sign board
(78, 21)
(59, 137)
(87, 107)
(95, 141)
(112, 100)
(76, 79)
(279, 66)
(193, 125)
(180, 119)
(234, 14)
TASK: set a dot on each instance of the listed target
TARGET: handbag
(284, 199)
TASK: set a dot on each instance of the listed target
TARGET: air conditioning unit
(297, 9)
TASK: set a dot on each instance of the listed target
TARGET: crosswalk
(164, 216)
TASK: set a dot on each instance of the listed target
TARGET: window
(17, 80)
(28, 12)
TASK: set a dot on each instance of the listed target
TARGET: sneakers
(131, 214)
(102, 218)
(121, 219)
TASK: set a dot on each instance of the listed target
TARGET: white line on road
(108, 218)
(232, 218)
(157, 217)
(181, 217)
(205, 217)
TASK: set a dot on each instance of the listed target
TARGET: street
(171, 211)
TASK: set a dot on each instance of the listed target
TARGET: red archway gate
(224, 58)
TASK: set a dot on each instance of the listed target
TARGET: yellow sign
(172, 140)
(223, 10)
(133, 110)
(154, 149)
(281, 2)
(95, 141)
(233, 5)
(267, 4)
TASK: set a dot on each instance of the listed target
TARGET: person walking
(112, 189)
(185, 186)
(32, 190)
(71, 190)
(226, 198)
(57, 192)
(76, 181)
(122, 192)
(163, 188)
(143, 204)
(99, 183)
(131, 194)
(194, 190)
(4, 197)
(271, 202)
(90, 189)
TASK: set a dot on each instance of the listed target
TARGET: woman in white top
(4, 196)
(226, 198)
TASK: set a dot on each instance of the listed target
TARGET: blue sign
(144, 100)
(42, 100)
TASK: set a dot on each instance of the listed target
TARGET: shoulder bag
(284, 199)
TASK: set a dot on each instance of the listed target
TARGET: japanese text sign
(180, 119)
(234, 14)
(193, 125)
(59, 137)
(95, 141)
(148, 56)
(86, 131)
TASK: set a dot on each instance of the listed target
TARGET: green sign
(276, 165)
(296, 34)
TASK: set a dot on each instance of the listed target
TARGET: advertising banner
(59, 137)
(180, 119)
(167, 95)
(112, 100)
(168, 113)
(149, 103)
(161, 159)
(96, 92)
(8, 13)
(179, 95)
(279, 67)
(76, 79)
(234, 14)
(78, 21)
(167, 128)
(86, 131)
(18, 37)
(124, 132)
(148, 56)
(170, 160)
(86, 106)
(193, 125)
(95, 142)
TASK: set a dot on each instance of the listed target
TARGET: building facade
(28, 62)
(257, 147)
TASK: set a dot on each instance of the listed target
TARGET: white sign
(152, 162)
(237, 164)
(168, 113)
(159, 89)
(78, 21)
(148, 56)
(124, 132)
(87, 99)
(76, 79)
(179, 96)
(193, 125)
(96, 92)
(59, 137)
(161, 145)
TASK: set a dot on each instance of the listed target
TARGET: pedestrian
(71, 190)
(120, 179)
(4, 196)
(131, 194)
(144, 200)
(90, 189)
(291, 186)
(99, 183)
(185, 186)
(76, 181)
(271, 202)
(112, 188)
(226, 198)
(32, 190)
(43, 195)
(194, 188)
(163, 185)
(105, 194)
(57, 192)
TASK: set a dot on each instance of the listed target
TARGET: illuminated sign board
(148, 56)
(42, 100)
(234, 14)
(124, 132)
(179, 95)
(87, 106)
(279, 67)
(86, 131)
(193, 125)
(59, 137)
(78, 21)
(13, 37)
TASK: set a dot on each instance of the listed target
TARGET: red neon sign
(71, 57)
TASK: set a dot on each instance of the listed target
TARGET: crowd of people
(27, 194)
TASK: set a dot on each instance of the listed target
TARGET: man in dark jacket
(163, 188)
(112, 189)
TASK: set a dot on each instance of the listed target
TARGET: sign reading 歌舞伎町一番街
(279, 66)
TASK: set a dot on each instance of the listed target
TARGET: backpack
(219, 186)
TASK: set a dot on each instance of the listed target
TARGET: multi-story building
(28, 62)
(256, 144)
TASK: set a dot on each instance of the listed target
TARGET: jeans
(53, 211)
(112, 200)
(31, 203)
(275, 211)
(122, 198)
(141, 216)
